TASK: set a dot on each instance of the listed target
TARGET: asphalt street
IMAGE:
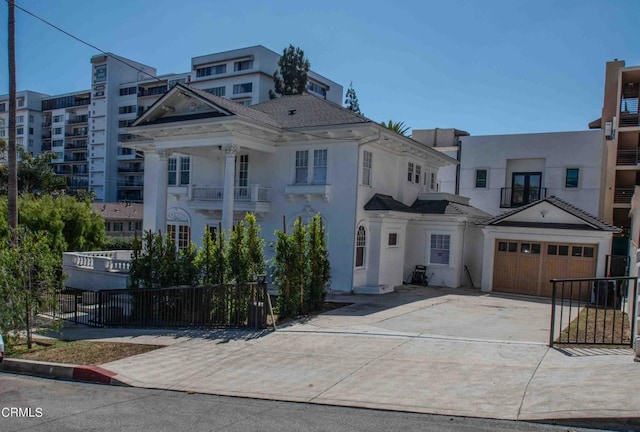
(54, 406)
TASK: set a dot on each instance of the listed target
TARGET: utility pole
(12, 152)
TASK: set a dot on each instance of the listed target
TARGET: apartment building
(85, 129)
(28, 120)
(620, 131)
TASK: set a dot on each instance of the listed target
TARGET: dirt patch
(77, 352)
(597, 326)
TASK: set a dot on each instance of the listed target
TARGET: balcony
(154, 91)
(628, 157)
(512, 198)
(76, 145)
(246, 198)
(78, 120)
(629, 106)
(622, 195)
(130, 169)
(130, 184)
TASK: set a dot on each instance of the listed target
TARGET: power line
(86, 43)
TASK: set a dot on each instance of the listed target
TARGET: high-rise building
(84, 129)
(28, 120)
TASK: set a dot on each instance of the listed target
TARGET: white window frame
(564, 179)
(176, 232)
(177, 164)
(410, 171)
(432, 182)
(431, 249)
(362, 240)
(397, 234)
(320, 163)
(309, 155)
(475, 178)
(367, 165)
(418, 174)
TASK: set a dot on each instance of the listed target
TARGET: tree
(291, 78)
(69, 224)
(12, 207)
(29, 279)
(351, 100)
(35, 174)
(397, 127)
(254, 245)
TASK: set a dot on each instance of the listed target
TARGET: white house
(502, 172)
(210, 160)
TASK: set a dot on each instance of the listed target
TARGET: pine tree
(291, 77)
(351, 100)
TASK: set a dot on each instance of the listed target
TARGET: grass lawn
(595, 325)
(77, 352)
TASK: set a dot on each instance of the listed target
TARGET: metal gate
(593, 311)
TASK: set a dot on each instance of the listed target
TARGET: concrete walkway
(429, 350)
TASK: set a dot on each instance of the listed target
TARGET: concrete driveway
(430, 350)
(460, 313)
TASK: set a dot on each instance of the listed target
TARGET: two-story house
(210, 160)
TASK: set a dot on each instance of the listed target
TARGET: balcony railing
(628, 157)
(253, 193)
(128, 183)
(123, 169)
(629, 110)
(622, 195)
(78, 120)
(512, 198)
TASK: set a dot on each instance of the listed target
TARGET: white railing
(108, 261)
(252, 193)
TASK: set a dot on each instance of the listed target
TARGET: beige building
(620, 128)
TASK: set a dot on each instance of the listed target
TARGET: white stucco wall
(549, 153)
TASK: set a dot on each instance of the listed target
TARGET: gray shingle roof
(563, 205)
(443, 207)
(307, 111)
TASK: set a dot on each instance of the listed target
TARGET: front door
(525, 188)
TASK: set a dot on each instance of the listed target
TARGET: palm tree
(12, 205)
(397, 127)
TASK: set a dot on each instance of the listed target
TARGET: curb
(61, 371)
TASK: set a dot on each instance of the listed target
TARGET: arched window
(361, 244)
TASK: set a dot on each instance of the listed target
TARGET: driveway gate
(594, 311)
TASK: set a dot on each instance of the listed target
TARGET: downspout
(464, 233)
(459, 157)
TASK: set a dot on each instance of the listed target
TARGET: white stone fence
(97, 270)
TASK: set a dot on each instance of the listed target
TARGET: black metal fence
(212, 306)
(595, 311)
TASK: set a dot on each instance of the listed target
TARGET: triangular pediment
(180, 104)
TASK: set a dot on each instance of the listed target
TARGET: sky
(484, 66)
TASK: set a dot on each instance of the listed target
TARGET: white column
(229, 177)
(155, 190)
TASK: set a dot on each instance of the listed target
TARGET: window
(127, 109)
(366, 168)
(587, 252)
(31, 119)
(3, 107)
(242, 88)
(393, 239)
(107, 226)
(128, 91)
(440, 249)
(2, 132)
(318, 89)
(125, 123)
(361, 244)
(21, 102)
(117, 226)
(20, 130)
(19, 119)
(572, 177)
(30, 131)
(58, 119)
(180, 234)
(135, 226)
(216, 91)
(57, 143)
(530, 248)
(481, 178)
(418, 174)
(576, 251)
(302, 166)
(410, 171)
(243, 65)
(320, 166)
(173, 171)
(432, 182)
(185, 165)
(57, 131)
(242, 176)
(213, 232)
(211, 70)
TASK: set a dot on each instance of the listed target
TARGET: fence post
(553, 313)
(75, 307)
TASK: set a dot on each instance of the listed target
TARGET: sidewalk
(432, 351)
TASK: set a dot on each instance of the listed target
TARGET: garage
(525, 248)
(525, 267)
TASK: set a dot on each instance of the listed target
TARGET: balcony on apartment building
(126, 137)
(520, 196)
(78, 119)
(77, 133)
(75, 145)
(245, 198)
(152, 91)
(135, 184)
(76, 157)
(628, 157)
(623, 195)
(131, 168)
(629, 105)
(130, 195)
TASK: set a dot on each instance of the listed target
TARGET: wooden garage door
(525, 267)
